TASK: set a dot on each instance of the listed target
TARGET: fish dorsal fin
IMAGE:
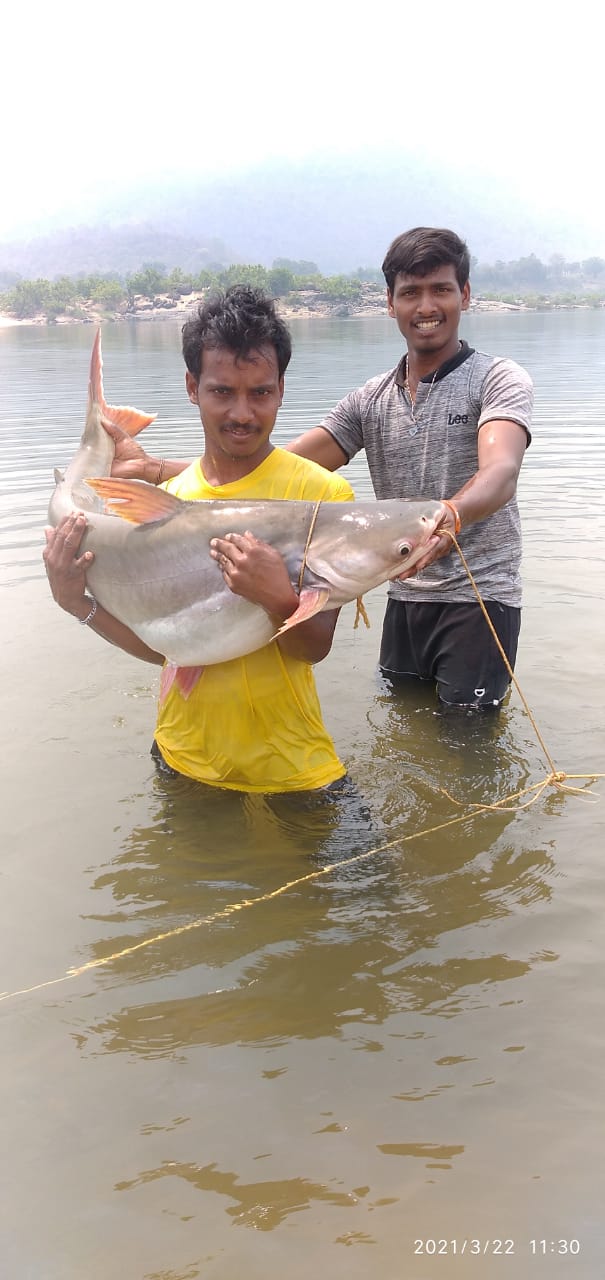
(135, 500)
(129, 420)
(59, 476)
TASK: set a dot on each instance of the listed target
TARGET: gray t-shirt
(432, 452)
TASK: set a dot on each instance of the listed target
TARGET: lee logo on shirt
(454, 419)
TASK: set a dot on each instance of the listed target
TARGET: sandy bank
(166, 308)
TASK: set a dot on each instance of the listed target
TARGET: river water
(400, 1051)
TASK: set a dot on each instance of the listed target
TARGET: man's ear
(390, 306)
(466, 296)
(192, 387)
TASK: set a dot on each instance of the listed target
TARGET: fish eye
(404, 549)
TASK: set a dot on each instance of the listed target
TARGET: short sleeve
(507, 393)
(345, 423)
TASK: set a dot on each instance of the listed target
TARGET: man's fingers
(116, 433)
(63, 543)
(84, 561)
(242, 540)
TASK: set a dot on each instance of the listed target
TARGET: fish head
(360, 545)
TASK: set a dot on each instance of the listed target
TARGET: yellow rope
(308, 544)
(360, 613)
(555, 778)
(502, 653)
(231, 908)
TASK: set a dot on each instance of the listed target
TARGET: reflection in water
(262, 1205)
(370, 939)
(476, 758)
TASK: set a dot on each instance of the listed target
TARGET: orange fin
(135, 500)
(311, 601)
(130, 420)
(185, 679)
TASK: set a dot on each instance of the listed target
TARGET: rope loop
(303, 565)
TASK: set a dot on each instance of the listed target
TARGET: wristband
(454, 510)
(158, 479)
(89, 616)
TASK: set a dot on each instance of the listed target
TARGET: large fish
(152, 567)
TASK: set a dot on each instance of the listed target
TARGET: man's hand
(255, 570)
(130, 462)
(65, 568)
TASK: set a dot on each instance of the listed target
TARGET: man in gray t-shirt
(450, 423)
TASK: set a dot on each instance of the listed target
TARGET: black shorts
(452, 645)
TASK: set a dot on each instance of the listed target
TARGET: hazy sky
(95, 98)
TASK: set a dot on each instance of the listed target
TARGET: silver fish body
(157, 575)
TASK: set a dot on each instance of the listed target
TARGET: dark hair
(422, 250)
(242, 319)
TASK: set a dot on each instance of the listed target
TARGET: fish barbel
(153, 569)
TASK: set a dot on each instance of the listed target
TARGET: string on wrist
(160, 474)
(454, 510)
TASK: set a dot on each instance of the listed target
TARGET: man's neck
(220, 468)
(421, 364)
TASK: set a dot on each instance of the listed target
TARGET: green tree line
(66, 295)
(523, 279)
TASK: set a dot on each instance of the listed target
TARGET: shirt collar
(448, 366)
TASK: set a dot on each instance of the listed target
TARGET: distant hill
(340, 212)
(104, 249)
(343, 211)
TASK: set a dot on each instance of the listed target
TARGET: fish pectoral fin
(185, 679)
(59, 476)
(135, 500)
(311, 601)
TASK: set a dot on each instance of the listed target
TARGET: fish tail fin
(123, 416)
(311, 601)
(185, 679)
(134, 500)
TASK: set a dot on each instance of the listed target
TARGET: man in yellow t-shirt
(254, 723)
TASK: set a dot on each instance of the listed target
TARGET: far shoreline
(163, 308)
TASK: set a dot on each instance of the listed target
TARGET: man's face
(238, 400)
(427, 310)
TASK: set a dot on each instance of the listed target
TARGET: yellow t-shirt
(254, 724)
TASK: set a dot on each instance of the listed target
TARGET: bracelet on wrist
(160, 475)
(454, 510)
(89, 616)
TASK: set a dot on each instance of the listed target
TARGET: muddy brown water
(391, 1066)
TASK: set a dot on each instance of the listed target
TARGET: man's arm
(66, 572)
(319, 446)
(501, 446)
(501, 449)
(256, 571)
(132, 463)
